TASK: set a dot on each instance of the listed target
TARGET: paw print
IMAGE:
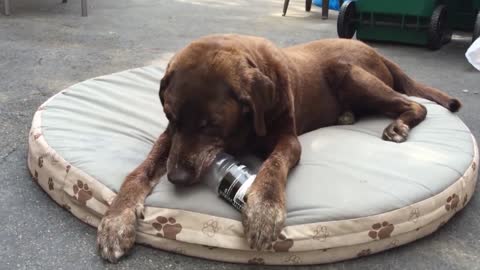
(321, 233)
(35, 176)
(256, 260)
(66, 206)
(293, 259)
(452, 202)
(167, 227)
(393, 244)
(210, 228)
(364, 252)
(40, 162)
(414, 215)
(283, 244)
(381, 230)
(82, 192)
(50, 183)
(465, 200)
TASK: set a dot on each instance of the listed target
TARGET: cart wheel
(447, 37)
(476, 28)
(345, 21)
(308, 5)
(438, 28)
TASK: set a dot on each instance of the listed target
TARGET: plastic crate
(332, 4)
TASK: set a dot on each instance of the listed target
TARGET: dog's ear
(256, 90)
(164, 82)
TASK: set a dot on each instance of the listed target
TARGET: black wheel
(346, 20)
(447, 37)
(308, 5)
(438, 29)
(476, 28)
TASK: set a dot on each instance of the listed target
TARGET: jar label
(234, 185)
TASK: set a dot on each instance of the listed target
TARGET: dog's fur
(233, 93)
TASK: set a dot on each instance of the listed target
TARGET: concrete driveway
(46, 46)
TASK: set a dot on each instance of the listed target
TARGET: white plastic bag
(473, 54)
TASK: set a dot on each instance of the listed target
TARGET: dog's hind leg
(404, 84)
(365, 93)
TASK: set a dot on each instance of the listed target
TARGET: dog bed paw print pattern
(351, 195)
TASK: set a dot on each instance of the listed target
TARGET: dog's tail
(406, 85)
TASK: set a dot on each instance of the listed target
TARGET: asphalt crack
(4, 157)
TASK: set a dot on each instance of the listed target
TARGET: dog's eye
(208, 128)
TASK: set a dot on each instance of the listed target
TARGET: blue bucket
(333, 4)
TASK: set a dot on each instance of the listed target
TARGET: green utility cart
(420, 22)
(476, 29)
(465, 16)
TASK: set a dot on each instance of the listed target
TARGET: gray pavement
(46, 46)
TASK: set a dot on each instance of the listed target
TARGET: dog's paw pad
(396, 132)
(116, 234)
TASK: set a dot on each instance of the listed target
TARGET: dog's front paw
(116, 234)
(263, 221)
(396, 132)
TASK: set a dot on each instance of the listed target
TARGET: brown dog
(232, 93)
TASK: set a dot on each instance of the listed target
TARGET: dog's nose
(179, 176)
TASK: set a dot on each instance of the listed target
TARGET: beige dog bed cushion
(351, 195)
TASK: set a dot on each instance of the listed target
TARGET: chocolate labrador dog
(234, 93)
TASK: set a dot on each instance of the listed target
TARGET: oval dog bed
(351, 195)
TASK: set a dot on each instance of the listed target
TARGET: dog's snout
(179, 176)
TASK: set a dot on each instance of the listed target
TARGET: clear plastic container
(473, 54)
(229, 179)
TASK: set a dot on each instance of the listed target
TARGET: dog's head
(215, 97)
